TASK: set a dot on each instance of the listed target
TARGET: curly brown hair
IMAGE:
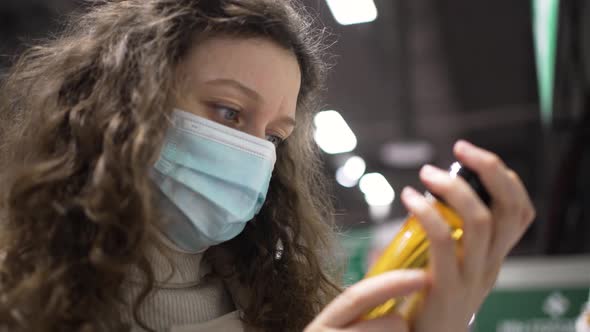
(82, 119)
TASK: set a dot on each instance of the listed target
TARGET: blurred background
(413, 76)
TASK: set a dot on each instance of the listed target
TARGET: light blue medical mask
(212, 180)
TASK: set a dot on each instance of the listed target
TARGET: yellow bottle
(409, 248)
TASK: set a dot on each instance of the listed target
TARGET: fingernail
(415, 273)
(431, 173)
(409, 193)
(411, 198)
(427, 170)
(463, 146)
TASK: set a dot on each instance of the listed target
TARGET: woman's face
(249, 84)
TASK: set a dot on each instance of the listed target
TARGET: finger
(387, 323)
(369, 293)
(510, 201)
(491, 170)
(528, 213)
(443, 261)
(509, 233)
(477, 218)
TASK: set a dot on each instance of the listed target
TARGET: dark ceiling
(435, 71)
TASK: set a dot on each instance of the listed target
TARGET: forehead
(258, 63)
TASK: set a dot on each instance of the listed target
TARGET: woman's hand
(343, 313)
(458, 286)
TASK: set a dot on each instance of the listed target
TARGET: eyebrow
(251, 93)
(237, 85)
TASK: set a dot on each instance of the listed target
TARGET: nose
(256, 130)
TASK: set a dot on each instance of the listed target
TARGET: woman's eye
(274, 139)
(227, 113)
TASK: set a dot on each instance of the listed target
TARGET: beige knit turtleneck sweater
(187, 296)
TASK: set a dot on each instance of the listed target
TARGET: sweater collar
(172, 267)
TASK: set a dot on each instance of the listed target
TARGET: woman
(137, 154)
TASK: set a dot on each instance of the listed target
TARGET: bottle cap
(472, 179)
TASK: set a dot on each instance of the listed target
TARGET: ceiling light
(348, 12)
(332, 133)
(349, 174)
(376, 189)
(407, 154)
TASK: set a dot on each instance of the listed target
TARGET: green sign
(545, 24)
(357, 244)
(531, 310)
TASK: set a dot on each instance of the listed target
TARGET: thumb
(389, 322)
(369, 293)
